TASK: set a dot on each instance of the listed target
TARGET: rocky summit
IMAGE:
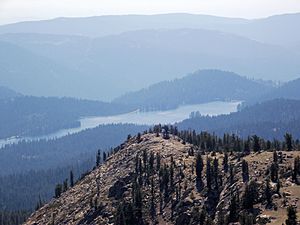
(154, 179)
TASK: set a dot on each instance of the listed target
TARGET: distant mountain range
(200, 87)
(278, 30)
(105, 57)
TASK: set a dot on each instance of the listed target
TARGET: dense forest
(47, 154)
(269, 119)
(289, 90)
(28, 190)
(35, 116)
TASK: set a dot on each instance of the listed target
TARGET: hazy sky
(18, 10)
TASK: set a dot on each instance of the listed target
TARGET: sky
(24, 10)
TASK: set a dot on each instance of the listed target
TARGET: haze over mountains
(144, 51)
(279, 29)
(56, 73)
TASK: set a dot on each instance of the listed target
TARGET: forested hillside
(200, 87)
(36, 116)
(269, 119)
(46, 154)
(289, 90)
(187, 178)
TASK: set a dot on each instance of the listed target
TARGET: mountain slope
(37, 116)
(19, 67)
(122, 187)
(271, 119)
(289, 90)
(199, 87)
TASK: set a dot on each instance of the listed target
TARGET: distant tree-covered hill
(200, 87)
(289, 90)
(6, 93)
(271, 119)
(36, 116)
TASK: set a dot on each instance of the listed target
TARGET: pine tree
(256, 143)
(296, 170)
(231, 174)
(71, 179)
(275, 156)
(216, 173)
(138, 138)
(157, 161)
(225, 162)
(199, 167)
(104, 156)
(250, 195)
(292, 216)
(208, 174)
(246, 218)
(245, 171)
(268, 193)
(58, 190)
(65, 185)
(289, 141)
(98, 158)
(274, 172)
(151, 163)
(233, 209)
(153, 205)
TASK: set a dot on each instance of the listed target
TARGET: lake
(140, 118)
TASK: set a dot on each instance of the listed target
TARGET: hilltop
(199, 87)
(159, 179)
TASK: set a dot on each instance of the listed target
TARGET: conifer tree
(268, 193)
(250, 195)
(208, 174)
(225, 162)
(288, 141)
(292, 216)
(274, 172)
(216, 173)
(245, 171)
(275, 156)
(98, 158)
(157, 161)
(199, 167)
(153, 205)
(233, 208)
(65, 185)
(71, 179)
(58, 190)
(256, 143)
(231, 174)
(104, 156)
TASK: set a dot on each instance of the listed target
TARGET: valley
(137, 118)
